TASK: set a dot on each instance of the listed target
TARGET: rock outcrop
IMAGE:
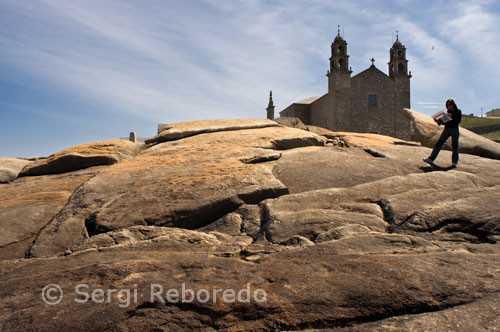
(175, 131)
(83, 156)
(29, 203)
(186, 183)
(10, 168)
(427, 132)
(356, 237)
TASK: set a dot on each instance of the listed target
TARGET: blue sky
(78, 71)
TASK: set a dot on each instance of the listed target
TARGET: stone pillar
(132, 137)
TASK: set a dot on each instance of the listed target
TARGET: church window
(401, 68)
(340, 50)
(372, 100)
(341, 63)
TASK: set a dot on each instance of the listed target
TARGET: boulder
(83, 156)
(291, 122)
(175, 131)
(428, 132)
(10, 168)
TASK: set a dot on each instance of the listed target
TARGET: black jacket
(456, 117)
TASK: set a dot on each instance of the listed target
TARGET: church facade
(369, 102)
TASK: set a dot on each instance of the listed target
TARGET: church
(369, 102)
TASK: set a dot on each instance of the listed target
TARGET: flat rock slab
(428, 133)
(83, 156)
(10, 168)
(312, 168)
(175, 131)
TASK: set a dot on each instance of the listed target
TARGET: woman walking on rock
(450, 129)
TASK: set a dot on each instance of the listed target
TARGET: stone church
(369, 102)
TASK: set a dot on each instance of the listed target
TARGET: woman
(450, 129)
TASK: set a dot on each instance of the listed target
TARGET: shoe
(429, 161)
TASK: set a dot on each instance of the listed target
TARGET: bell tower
(339, 87)
(339, 61)
(398, 71)
(398, 65)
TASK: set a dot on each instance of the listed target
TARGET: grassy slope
(494, 135)
(474, 122)
(466, 121)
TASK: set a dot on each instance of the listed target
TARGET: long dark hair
(451, 101)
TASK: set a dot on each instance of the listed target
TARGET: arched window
(401, 68)
(341, 63)
(340, 50)
(400, 54)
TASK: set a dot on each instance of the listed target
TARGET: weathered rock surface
(175, 131)
(358, 238)
(360, 140)
(187, 183)
(29, 203)
(83, 156)
(10, 168)
(291, 122)
(428, 132)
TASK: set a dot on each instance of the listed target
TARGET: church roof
(397, 44)
(309, 100)
(338, 38)
(371, 68)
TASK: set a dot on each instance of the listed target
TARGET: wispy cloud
(169, 61)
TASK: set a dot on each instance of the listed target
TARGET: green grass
(493, 136)
(475, 122)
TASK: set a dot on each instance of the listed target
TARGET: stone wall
(392, 95)
(377, 119)
(322, 114)
(339, 88)
(403, 126)
(301, 111)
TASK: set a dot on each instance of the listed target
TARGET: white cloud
(170, 62)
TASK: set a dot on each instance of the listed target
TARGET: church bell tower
(339, 87)
(398, 65)
(398, 71)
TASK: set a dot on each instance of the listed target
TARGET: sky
(76, 71)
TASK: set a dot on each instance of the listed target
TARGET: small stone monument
(132, 137)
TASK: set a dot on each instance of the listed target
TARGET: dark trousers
(447, 132)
